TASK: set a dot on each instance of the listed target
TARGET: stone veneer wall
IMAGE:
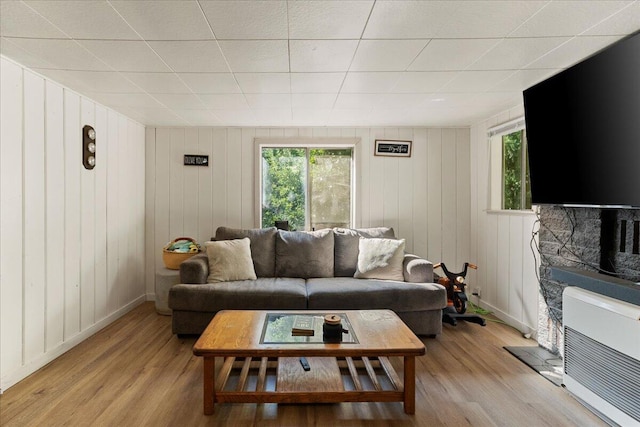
(571, 237)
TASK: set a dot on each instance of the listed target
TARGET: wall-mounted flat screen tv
(583, 131)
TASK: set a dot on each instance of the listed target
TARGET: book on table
(303, 326)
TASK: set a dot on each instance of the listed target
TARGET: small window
(311, 188)
(510, 183)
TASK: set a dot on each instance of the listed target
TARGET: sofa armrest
(195, 269)
(417, 270)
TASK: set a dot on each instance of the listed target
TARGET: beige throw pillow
(230, 260)
(380, 259)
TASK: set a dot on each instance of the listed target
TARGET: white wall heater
(602, 354)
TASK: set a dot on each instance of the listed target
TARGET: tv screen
(583, 131)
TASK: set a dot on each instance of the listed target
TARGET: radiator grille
(613, 376)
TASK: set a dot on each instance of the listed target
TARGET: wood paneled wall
(500, 242)
(425, 198)
(71, 240)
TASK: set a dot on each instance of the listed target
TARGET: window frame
(496, 165)
(307, 143)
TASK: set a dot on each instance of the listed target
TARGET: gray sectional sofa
(298, 270)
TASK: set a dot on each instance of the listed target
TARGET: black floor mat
(542, 361)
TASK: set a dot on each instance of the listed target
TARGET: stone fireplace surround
(585, 238)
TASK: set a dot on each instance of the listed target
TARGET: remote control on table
(305, 364)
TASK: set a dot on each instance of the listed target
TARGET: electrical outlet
(476, 292)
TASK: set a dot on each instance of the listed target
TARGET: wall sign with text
(393, 148)
(196, 160)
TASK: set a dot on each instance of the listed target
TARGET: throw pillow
(230, 260)
(304, 254)
(346, 247)
(380, 259)
(263, 246)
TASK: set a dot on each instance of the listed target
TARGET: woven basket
(172, 260)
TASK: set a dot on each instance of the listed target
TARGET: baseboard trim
(509, 320)
(17, 375)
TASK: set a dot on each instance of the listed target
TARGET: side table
(165, 279)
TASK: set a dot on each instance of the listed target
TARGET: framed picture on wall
(392, 148)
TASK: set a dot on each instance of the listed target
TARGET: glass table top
(278, 328)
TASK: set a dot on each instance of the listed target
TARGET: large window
(510, 184)
(310, 187)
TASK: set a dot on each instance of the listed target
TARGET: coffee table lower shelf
(330, 380)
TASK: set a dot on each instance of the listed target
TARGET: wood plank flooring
(136, 373)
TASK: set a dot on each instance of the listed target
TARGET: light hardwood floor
(136, 373)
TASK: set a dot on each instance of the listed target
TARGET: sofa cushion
(229, 260)
(343, 293)
(260, 294)
(346, 247)
(263, 246)
(304, 254)
(380, 259)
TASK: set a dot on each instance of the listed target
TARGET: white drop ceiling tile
(328, 19)
(321, 55)
(423, 81)
(210, 82)
(103, 81)
(64, 78)
(245, 20)
(401, 100)
(256, 55)
(445, 100)
(357, 100)
(165, 20)
(125, 55)
(375, 82)
(230, 101)
(272, 116)
(62, 54)
(447, 19)
(232, 117)
(85, 19)
(158, 82)
(475, 81)
(566, 18)
(316, 82)
(350, 117)
(496, 101)
(310, 116)
(313, 100)
(523, 79)
(134, 100)
(573, 51)
(191, 56)
(512, 54)
(626, 21)
(451, 54)
(200, 117)
(11, 50)
(264, 82)
(153, 116)
(386, 55)
(19, 20)
(269, 100)
(180, 100)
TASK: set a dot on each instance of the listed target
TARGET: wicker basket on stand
(171, 259)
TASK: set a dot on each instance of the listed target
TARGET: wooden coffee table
(272, 373)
